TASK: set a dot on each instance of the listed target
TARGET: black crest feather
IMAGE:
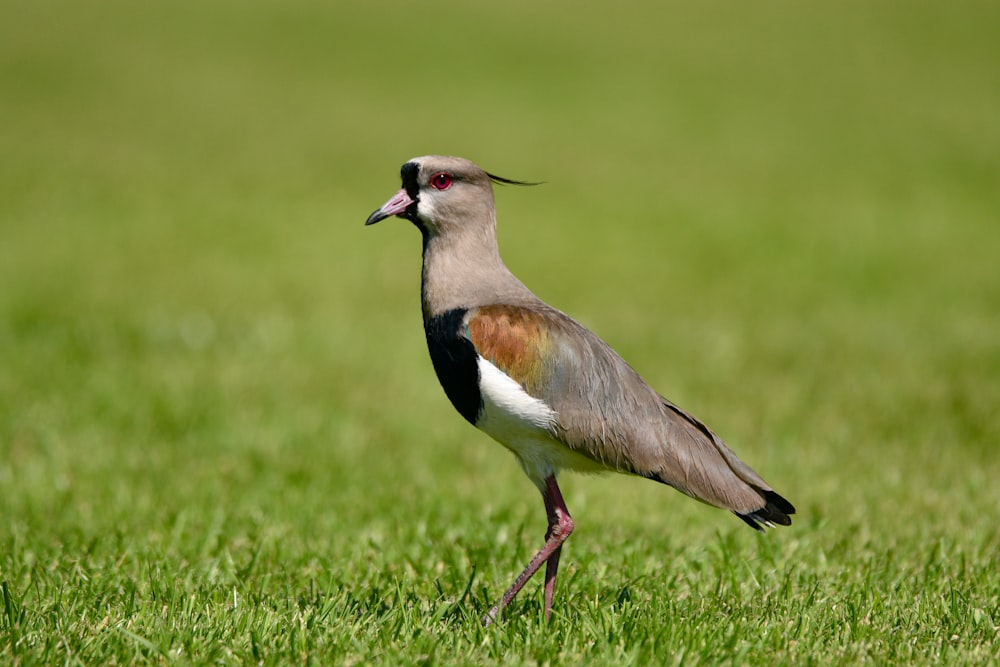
(506, 181)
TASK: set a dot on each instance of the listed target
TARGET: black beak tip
(377, 216)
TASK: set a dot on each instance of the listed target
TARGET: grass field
(221, 439)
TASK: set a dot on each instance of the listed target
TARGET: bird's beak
(395, 206)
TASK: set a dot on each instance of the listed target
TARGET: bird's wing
(607, 412)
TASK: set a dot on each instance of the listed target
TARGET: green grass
(221, 440)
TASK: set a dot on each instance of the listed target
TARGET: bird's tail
(775, 512)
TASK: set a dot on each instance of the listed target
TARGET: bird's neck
(466, 271)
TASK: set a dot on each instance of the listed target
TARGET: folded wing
(608, 413)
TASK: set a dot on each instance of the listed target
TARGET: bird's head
(442, 194)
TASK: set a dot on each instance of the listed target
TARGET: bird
(541, 384)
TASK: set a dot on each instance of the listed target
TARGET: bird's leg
(560, 527)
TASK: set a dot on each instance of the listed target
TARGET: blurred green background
(784, 215)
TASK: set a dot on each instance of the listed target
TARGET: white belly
(525, 425)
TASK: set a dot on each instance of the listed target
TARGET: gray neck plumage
(464, 270)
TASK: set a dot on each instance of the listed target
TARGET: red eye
(441, 181)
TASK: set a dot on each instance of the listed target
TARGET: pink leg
(560, 527)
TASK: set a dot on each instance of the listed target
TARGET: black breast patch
(455, 362)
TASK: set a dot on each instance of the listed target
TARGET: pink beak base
(395, 206)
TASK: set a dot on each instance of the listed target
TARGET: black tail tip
(775, 512)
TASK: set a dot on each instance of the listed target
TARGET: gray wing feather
(608, 413)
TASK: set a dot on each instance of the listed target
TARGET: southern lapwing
(541, 384)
